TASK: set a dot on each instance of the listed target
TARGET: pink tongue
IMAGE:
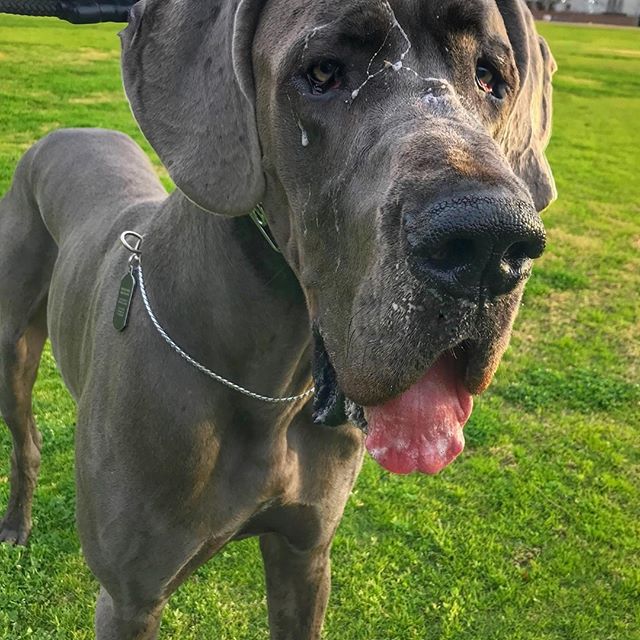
(421, 430)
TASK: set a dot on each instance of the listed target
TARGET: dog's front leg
(298, 586)
(112, 623)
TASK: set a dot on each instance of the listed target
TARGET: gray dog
(397, 148)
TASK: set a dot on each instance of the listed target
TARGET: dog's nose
(475, 243)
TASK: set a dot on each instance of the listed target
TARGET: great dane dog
(397, 149)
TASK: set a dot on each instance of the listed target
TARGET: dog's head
(398, 149)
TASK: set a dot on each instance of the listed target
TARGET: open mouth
(422, 428)
(419, 430)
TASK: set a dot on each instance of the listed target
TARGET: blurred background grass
(534, 533)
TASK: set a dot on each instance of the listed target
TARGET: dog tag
(125, 295)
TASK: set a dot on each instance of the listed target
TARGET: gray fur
(170, 465)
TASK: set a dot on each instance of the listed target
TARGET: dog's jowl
(397, 150)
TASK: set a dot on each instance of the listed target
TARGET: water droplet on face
(304, 136)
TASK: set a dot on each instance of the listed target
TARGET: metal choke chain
(137, 267)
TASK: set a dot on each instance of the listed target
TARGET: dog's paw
(14, 530)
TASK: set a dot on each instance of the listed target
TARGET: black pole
(75, 11)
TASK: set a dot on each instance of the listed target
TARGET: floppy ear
(529, 128)
(187, 72)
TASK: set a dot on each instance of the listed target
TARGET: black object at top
(75, 11)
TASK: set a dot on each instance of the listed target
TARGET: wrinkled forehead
(427, 23)
(463, 15)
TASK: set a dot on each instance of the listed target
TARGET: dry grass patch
(48, 127)
(562, 238)
(625, 53)
(97, 98)
(86, 54)
(582, 82)
(505, 455)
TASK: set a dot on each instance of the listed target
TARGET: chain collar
(135, 269)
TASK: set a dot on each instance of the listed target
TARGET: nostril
(520, 253)
(516, 256)
(452, 254)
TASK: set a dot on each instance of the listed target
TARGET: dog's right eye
(490, 81)
(324, 76)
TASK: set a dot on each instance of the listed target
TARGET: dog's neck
(227, 298)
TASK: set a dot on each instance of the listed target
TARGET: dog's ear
(187, 72)
(529, 128)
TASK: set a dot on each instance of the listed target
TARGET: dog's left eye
(323, 76)
(490, 81)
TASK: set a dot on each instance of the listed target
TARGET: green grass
(535, 532)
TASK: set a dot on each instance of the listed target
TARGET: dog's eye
(490, 81)
(324, 75)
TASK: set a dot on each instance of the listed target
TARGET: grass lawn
(535, 532)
